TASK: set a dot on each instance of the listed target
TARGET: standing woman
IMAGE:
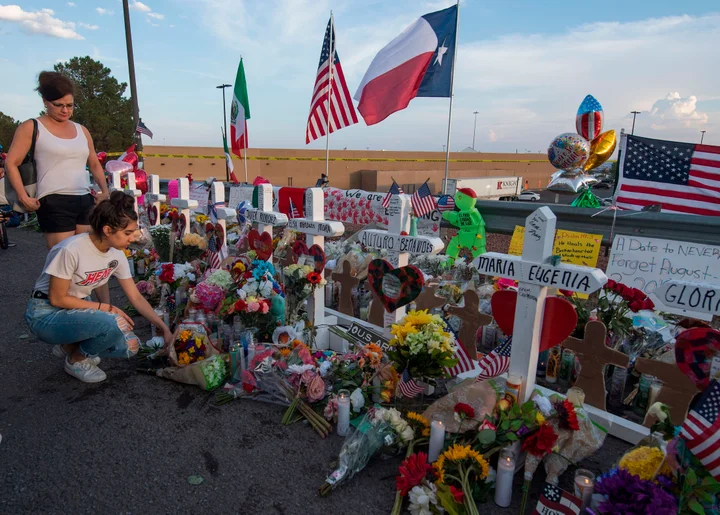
(60, 311)
(62, 151)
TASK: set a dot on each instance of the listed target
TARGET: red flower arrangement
(636, 299)
(412, 472)
(566, 415)
(465, 410)
(541, 441)
(314, 278)
(167, 273)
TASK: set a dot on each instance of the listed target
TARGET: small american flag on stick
(495, 362)
(701, 429)
(408, 386)
(394, 190)
(422, 200)
(330, 80)
(293, 210)
(464, 363)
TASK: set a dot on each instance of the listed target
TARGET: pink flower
(331, 409)
(316, 389)
(308, 376)
(253, 307)
(264, 308)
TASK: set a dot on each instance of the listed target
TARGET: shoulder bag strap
(34, 139)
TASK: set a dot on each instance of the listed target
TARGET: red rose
(240, 305)
(638, 294)
(458, 494)
(464, 409)
(566, 293)
(541, 441)
(635, 306)
(611, 284)
(648, 304)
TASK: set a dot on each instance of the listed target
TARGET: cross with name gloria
(535, 274)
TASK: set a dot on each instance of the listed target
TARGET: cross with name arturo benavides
(535, 274)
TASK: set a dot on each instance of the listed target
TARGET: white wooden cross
(398, 246)
(264, 216)
(220, 212)
(696, 300)
(184, 203)
(131, 189)
(535, 274)
(115, 181)
(316, 228)
(153, 198)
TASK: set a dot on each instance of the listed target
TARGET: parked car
(529, 196)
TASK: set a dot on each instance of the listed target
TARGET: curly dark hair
(116, 212)
(54, 85)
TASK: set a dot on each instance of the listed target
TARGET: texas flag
(417, 63)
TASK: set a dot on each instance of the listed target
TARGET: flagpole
(331, 59)
(452, 80)
(245, 153)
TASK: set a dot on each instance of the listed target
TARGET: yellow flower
(239, 267)
(183, 358)
(416, 417)
(201, 219)
(185, 335)
(128, 253)
(415, 318)
(539, 418)
(285, 352)
(440, 468)
(458, 453)
(643, 461)
(426, 432)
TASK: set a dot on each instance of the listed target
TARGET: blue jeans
(97, 332)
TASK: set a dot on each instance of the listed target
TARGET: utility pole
(131, 71)
(702, 136)
(634, 113)
(474, 128)
(222, 87)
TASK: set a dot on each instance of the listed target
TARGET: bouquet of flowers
(380, 428)
(189, 248)
(300, 281)
(160, 235)
(461, 472)
(422, 345)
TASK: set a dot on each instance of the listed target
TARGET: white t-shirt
(79, 260)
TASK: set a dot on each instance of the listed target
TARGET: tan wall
(358, 169)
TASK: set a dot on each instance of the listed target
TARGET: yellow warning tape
(361, 159)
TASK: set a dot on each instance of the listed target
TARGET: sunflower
(460, 453)
(418, 420)
(416, 318)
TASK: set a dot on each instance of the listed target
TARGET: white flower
(357, 400)
(191, 277)
(325, 367)
(543, 404)
(421, 498)
(242, 294)
(407, 434)
(299, 369)
(657, 410)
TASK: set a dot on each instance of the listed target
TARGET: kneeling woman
(61, 312)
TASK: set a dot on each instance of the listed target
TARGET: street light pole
(222, 87)
(702, 136)
(474, 128)
(131, 72)
(634, 113)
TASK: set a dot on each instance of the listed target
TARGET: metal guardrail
(502, 217)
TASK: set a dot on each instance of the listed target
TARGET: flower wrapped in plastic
(379, 429)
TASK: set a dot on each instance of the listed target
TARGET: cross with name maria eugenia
(535, 274)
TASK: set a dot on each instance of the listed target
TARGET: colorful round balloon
(589, 119)
(568, 151)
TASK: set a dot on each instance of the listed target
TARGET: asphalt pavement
(128, 445)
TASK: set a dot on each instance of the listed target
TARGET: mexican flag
(228, 158)
(239, 113)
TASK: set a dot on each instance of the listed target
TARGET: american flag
(422, 201)
(495, 362)
(214, 258)
(701, 429)
(142, 129)
(556, 501)
(342, 111)
(682, 177)
(293, 210)
(446, 203)
(464, 364)
(408, 386)
(394, 190)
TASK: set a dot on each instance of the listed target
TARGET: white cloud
(103, 12)
(71, 4)
(492, 137)
(39, 22)
(153, 24)
(157, 16)
(139, 6)
(89, 26)
(676, 111)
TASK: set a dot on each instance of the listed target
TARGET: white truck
(488, 188)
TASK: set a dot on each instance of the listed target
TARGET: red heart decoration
(559, 320)
(178, 224)
(411, 281)
(300, 248)
(261, 244)
(152, 214)
(694, 352)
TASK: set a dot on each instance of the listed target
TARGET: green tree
(101, 106)
(7, 130)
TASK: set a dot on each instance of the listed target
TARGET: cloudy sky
(524, 65)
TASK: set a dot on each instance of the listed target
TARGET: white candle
(437, 438)
(504, 479)
(131, 264)
(343, 423)
(141, 266)
(584, 486)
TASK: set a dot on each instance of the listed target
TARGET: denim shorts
(97, 332)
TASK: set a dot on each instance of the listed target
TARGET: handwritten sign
(266, 217)
(316, 227)
(692, 299)
(367, 336)
(200, 192)
(647, 263)
(382, 240)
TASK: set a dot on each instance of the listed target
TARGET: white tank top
(61, 163)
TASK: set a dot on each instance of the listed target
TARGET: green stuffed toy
(467, 219)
